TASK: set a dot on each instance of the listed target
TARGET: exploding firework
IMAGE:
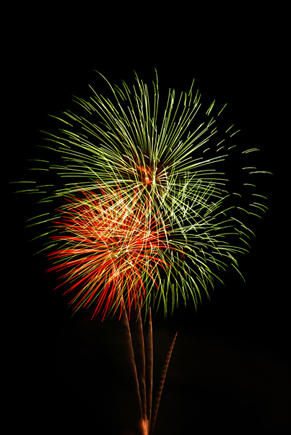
(171, 224)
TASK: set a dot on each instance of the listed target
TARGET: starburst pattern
(158, 216)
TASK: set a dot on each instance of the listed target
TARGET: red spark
(112, 249)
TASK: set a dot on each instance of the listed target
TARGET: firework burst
(174, 220)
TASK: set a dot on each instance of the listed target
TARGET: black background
(230, 369)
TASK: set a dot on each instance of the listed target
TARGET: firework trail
(173, 222)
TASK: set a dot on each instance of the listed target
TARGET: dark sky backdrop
(230, 369)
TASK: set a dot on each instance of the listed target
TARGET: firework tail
(138, 344)
(128, 407)
(149, 368)
(161, 386)
(138, 353)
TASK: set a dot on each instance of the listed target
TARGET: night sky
(230, 369)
